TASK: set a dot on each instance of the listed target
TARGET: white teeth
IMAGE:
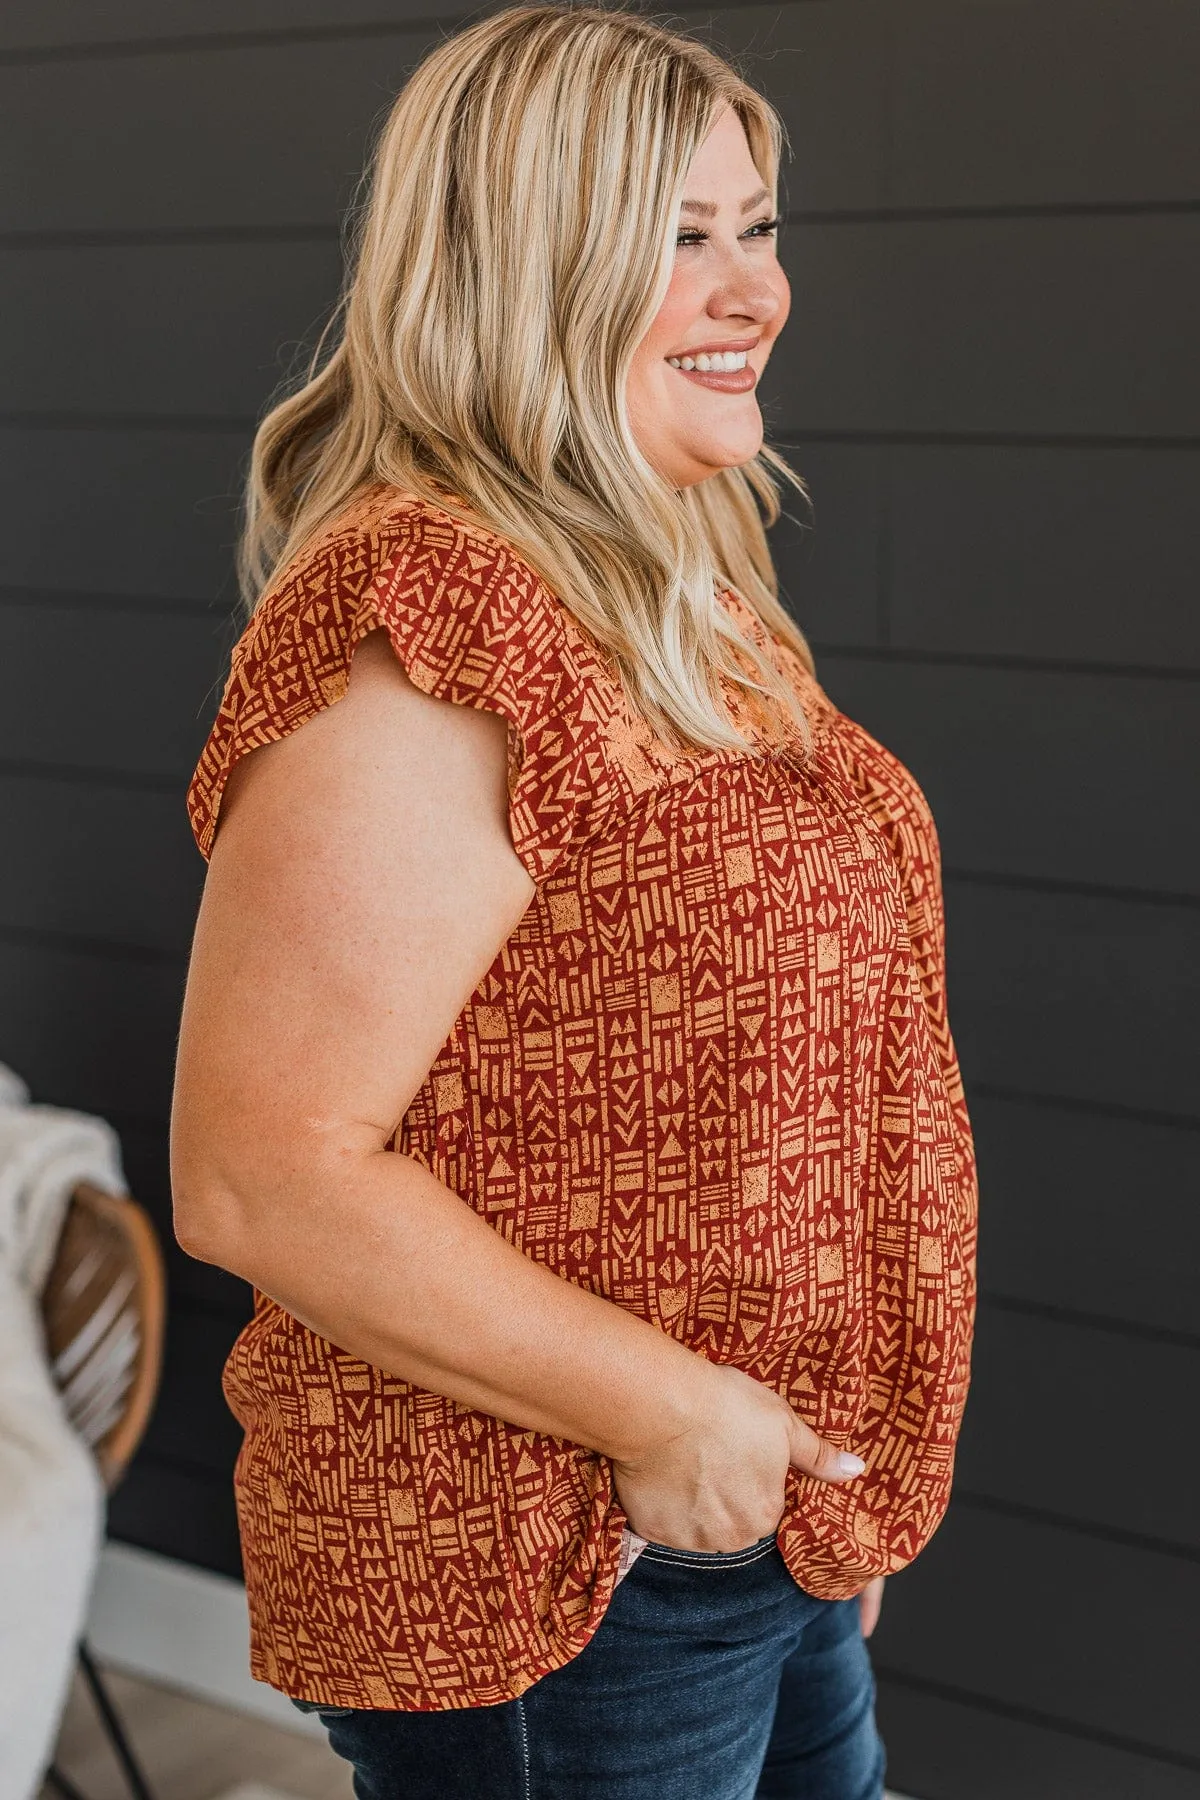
(717, 361)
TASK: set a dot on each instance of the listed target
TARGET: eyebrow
(706, 209)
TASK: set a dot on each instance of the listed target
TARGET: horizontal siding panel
(992, 325)
(1079, 554)
(1006, 104)
(827, 549)
(1100, 1635)
(943, 1749)
(823, 64)
(41, 24)
(31, 25)
(205, 330)
(1010, 761)
(154, 513)
(1035, 102)
(124, 512)
(267, 135)
(1084, 1212)
(276, 134)
(1085, 998)
(98, 863)
(1083, 1423)
(191, 1422)
(92, 1032)
(187, 1513)
(110, 690)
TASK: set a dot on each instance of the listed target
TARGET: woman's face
(728, 298)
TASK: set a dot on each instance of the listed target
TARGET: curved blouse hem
(521, 1677)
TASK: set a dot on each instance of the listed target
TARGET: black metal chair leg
(139, 1787)
(57, 1780)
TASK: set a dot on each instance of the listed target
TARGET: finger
(869, 1603)
(816, 1457)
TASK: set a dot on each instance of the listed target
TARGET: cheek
(675, 317)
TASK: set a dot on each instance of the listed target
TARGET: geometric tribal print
(709, 1076)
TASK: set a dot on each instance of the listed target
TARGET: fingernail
(849, 1465)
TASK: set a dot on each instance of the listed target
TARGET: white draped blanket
(51, 1497)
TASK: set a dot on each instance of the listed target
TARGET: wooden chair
(104, 1307)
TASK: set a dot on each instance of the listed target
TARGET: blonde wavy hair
(516, 245)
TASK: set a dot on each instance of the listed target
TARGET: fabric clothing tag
(631, 1548)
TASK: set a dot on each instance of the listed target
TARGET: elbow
(211, 1222)
(245, 1195)
(205, 1222)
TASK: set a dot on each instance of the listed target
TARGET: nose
(745, 293)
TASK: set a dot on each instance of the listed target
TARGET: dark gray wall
(990, 383)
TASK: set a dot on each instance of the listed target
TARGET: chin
(732, 455)
(731, 448)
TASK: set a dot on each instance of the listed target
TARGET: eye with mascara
(763, 228)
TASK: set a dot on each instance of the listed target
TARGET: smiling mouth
(721, 368)
(715, 362)
(721, 371)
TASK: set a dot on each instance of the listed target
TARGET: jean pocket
(710, 1559)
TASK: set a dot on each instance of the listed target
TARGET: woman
(564, 1057)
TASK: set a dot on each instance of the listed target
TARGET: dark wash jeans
(712, 1676)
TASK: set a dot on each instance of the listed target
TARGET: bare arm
(362, 883)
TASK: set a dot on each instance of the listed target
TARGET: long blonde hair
(517, 244)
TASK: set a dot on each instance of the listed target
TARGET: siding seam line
(1029, 1715)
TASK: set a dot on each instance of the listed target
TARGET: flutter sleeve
(471, 623)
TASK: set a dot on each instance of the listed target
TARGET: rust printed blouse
(708, 1076)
